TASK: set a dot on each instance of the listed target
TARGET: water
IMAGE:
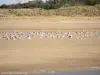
(89, 72)
(92, 72)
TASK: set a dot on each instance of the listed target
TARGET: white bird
(28, 37)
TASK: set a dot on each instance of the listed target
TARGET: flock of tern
(17, 35)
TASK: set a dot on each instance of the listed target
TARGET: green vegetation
(50, 4)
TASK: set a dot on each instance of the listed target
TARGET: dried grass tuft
(88, 11)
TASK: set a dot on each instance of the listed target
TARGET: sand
(49, 54)
(49, 25)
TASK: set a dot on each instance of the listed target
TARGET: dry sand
(49, 25)
(49, 54)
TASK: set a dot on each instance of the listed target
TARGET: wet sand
(49, 54)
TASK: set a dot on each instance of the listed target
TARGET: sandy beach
(49, 54)
(49, 24)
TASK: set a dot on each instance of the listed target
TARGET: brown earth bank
(49, 54)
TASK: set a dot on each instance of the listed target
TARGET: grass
(77, 12)
(49, 18)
